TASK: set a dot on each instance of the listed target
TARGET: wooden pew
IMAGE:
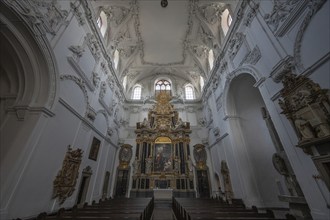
(193, 209)
(115, 209)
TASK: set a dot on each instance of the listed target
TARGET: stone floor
(163, 210)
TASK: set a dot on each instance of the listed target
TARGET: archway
(253, 146)
(28, 81)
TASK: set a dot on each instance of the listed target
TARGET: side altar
(162, 157)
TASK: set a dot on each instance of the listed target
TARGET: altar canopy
(162, 157)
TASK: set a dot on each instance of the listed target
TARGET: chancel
(165, 109)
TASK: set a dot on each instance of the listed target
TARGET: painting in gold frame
(94, 151)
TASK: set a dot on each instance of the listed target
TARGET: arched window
(162, 85)
(124, 82)
(201, 81)
(116, 58)
(102, 23)
(189, 92)
(137, 92)
(211, 59)
(226, 21)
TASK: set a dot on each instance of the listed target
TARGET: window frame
(190, 96)
(134, 94)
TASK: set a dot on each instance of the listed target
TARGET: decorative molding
(116, 14)
(66, 179)
(316, 65)
(81, 73)
(224, 48)
(230, 117)
(216, 131)
(80, 83)
(259, 82)
(283, 67)
(252, 57)
(251, 14)
(307, 106)
(108, 109)
(313, 6)
(44, 14)
(102, 48)
(218, 140)
(86, 122)
(103, 90)
(185, 41)
(280, 13)
(93, 46)
(211, 13)
(219, 102)
(90, 113)
(96, 79)
(33, 22)
(235, 44)
(21, 111)
(77, 51)
(79, 15)
(105, 113)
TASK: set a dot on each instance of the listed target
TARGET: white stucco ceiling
(163, 34)
(172, 41)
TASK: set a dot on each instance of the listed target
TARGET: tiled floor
(163, 210)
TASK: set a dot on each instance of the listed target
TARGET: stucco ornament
(66, 179)
(307, 106)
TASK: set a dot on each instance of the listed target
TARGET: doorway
(83, 189)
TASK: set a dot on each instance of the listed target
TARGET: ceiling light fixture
(164, 3)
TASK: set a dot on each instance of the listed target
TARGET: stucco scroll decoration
(77, 50)
(116, 14)
(235, 43)
(93, 46)
(79, 15)
(212, 12)
(314, 7)
(103, 90)
(96, 79)
(66, 179)
(281, 10)
(90, 113)
(252, 57)
(284, 66)
(251, 14)
(80, 82)
(307, 106)
(45, 14)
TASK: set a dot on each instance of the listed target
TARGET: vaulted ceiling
(154, 40)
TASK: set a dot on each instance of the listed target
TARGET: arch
(116, 58)
(102, 23)
(226, 20)
(29, 49)
(298, 41)
(99, 121)
(211, 59)
(189, 91)
(242, 70)
(163, 84)
(251, 137)
(137, 92)
(81, 85)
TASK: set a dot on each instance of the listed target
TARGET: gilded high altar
(162, 158)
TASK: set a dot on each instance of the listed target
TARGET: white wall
(34, 137)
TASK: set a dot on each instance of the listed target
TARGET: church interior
(165, 109)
